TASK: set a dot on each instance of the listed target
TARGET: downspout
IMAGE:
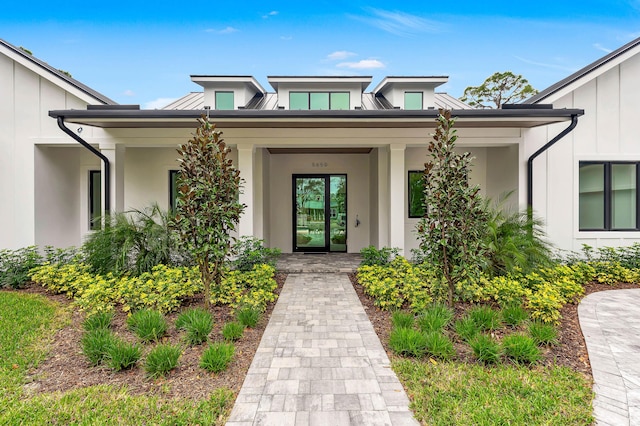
(105, 160)
(574, 123)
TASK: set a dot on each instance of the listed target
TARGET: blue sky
(144, 52)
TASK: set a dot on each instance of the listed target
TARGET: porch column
(246, 165)
(396, 196)
(116, 155)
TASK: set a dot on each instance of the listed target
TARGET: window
(412, 100)
(224, 100)
(318, 100)
(95, 199)
(608, 196)
(416, 193)
(173, 189)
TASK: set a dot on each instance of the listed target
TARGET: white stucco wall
(608, 131)
(283, 166)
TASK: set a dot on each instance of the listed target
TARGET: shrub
(217, 357)
(504, 290)
(95, 345)
(407, 341)
(439, 345)
(250, 251)
(16, 264)
(401, 319)
(543, 334)
(521, 349)
(485, 349)
(232, 331)
(148, 325)
(255, 288)
(435, 318)
(97, 321)
(372, 256)
(162, 359)
(514, 314)
(545, 304)
(485, 318)
(248, 316)
(122, 355)
(466, 328)
(197, 322)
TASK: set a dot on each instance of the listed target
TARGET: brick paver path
(610, 322)
(320, 362)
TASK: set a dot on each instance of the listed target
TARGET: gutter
(107, 175)
(574, 123)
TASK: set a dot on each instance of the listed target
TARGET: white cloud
(546, 64)
(598, 46)
(227, 30)
(362, 64)
(158, 103)
(129, 92)
(268, 15)
(399, 23)
(340, 55)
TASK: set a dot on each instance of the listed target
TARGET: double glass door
(320, 213)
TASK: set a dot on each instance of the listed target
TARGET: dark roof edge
(336, 114)
(582, 72)
(72, 81)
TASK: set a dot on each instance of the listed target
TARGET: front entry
(320, 213)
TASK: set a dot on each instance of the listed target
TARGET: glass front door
(320, 213)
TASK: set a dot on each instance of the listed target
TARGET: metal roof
(59, 74)
(195, 100)
(278, 118)
(582, 72)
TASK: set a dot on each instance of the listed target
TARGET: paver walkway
(320, 362)
(610, 322)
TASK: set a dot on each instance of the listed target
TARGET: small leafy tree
(498, 89)
(452, 231)
(207, 207)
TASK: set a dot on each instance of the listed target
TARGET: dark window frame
(93, 223)
(172, 196)
(308, 93)
(410, 213)
(608, 220)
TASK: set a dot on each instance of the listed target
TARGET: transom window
(318, 100)
(224, 100)
(412, 100)
(608, 196)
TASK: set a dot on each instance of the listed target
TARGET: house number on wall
(320, 164)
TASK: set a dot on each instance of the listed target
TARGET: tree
(452, 231)
(500, 88)
(207, 207)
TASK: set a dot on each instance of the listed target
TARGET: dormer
(410, 92)
(319, 93)
(225, 92)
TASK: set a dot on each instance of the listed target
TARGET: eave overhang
(507, 118)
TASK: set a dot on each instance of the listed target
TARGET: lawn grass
(448, 393)
(27, 323)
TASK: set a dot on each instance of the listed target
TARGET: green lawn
(27, 323)
(454, 393)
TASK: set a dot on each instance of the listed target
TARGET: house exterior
(328, 164)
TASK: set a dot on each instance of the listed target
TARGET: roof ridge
(582, 72)
(72, 81)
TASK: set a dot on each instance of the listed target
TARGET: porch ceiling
(501, 118)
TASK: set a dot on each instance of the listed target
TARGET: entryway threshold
(327, 263)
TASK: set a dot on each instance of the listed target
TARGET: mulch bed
(571, 350)
(67, 368)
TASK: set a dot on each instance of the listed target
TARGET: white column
(116, 155)
(396, 195)
(246, 165)
(383, 196)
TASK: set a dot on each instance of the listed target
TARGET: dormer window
(224, 100)
(318, 100)
(413, 100)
